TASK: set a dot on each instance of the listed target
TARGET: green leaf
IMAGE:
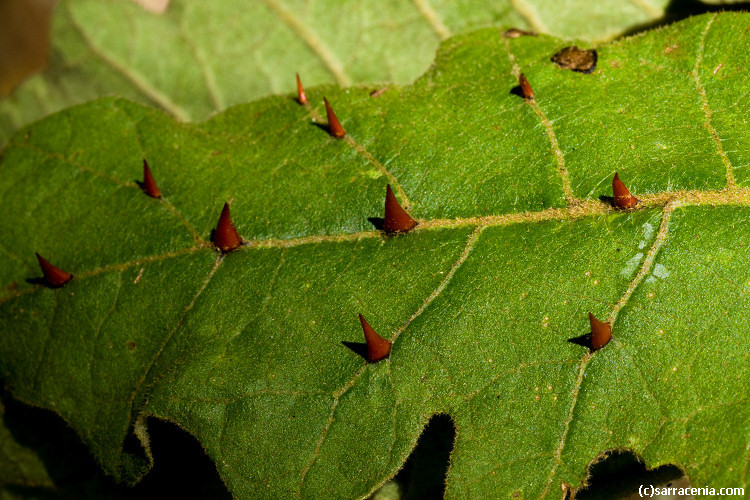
(201, 57)
(20, 465)
(247, 351)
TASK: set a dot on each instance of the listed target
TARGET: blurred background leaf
(194, 58)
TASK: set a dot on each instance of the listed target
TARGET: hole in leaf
(181, 468)
(62, 455)
(619, 473)
(424, 473)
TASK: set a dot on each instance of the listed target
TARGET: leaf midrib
(737, 196)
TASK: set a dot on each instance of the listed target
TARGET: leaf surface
(201, 57)
(247, 351)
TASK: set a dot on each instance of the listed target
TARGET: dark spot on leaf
(516, 494)
(575, 59)
(131, 345)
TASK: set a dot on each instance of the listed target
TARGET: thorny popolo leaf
(517, 241)
(201, 57)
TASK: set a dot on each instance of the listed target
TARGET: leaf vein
(432, 18)
(319, 444)
(731, 183)
(43, 354)
(557, 153)
(470, 243)
(209, 78)
(733, 197)
(312, 40)
(99, 329)
(648, 261)
(518, 369)
(163, 199)
(15, 257)
(140, 82)
(391, 178)
(443, 284)
(648, 8)
(557, 455)
(395, 184)
(139, 384)
(642, 272)
(83, 169)
(247, 395)
(530, 14)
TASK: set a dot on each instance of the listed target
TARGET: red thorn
(377, 347)
(54, 276)
(225, 235)
(301, 97)
(334, 126)
(601, 333)
(396, 220)
(149, 184)
(621, 196)
(526, 91)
